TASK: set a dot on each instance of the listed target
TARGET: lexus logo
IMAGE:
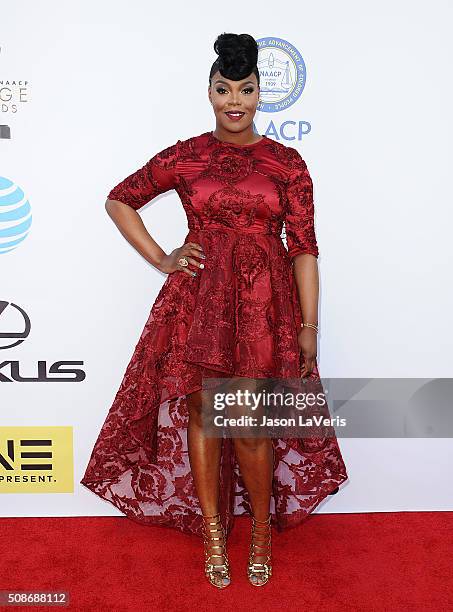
(18, 327)
(15, 327)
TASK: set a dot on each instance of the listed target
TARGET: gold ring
(183, 262)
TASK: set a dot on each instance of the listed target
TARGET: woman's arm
(131, 226)
(157, 176)
(303, 250)
(307, 280)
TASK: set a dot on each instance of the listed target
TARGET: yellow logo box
(36, 459)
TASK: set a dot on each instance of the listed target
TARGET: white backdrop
(109, 85)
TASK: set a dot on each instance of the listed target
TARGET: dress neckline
(234, 144)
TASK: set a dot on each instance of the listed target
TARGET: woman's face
(226, 96)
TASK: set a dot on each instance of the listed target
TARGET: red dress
(240, 316)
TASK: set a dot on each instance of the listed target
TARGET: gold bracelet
(313, 325)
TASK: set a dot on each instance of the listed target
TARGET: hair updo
(238, 57)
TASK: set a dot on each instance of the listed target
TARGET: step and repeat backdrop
(90, 91)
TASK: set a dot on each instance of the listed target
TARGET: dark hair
(238, 57)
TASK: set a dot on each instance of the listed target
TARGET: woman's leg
(253, 447)
(255, 458)
(204, 457)
(255, 455)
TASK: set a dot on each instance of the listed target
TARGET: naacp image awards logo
(282, 74)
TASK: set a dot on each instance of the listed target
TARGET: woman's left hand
(308, 344)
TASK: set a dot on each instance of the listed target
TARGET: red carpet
(379, 561)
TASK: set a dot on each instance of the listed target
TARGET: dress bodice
(254, 188)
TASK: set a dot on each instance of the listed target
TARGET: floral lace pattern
(239, 317)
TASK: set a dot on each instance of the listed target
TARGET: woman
(235, 304)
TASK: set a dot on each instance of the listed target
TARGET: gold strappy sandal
(217, 574)
(260, 546)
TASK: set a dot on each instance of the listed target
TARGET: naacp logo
(15, 215)
(282, 74)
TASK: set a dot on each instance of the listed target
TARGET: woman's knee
(251, 444)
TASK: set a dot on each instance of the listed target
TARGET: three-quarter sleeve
(158, 175)
(299, 213)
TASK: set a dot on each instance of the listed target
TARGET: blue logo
(282, 74)
(15, 215)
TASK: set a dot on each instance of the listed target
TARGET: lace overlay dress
(240, 316)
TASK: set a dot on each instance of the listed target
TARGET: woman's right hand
(189, 250)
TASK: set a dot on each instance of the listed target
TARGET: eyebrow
(245, 83)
